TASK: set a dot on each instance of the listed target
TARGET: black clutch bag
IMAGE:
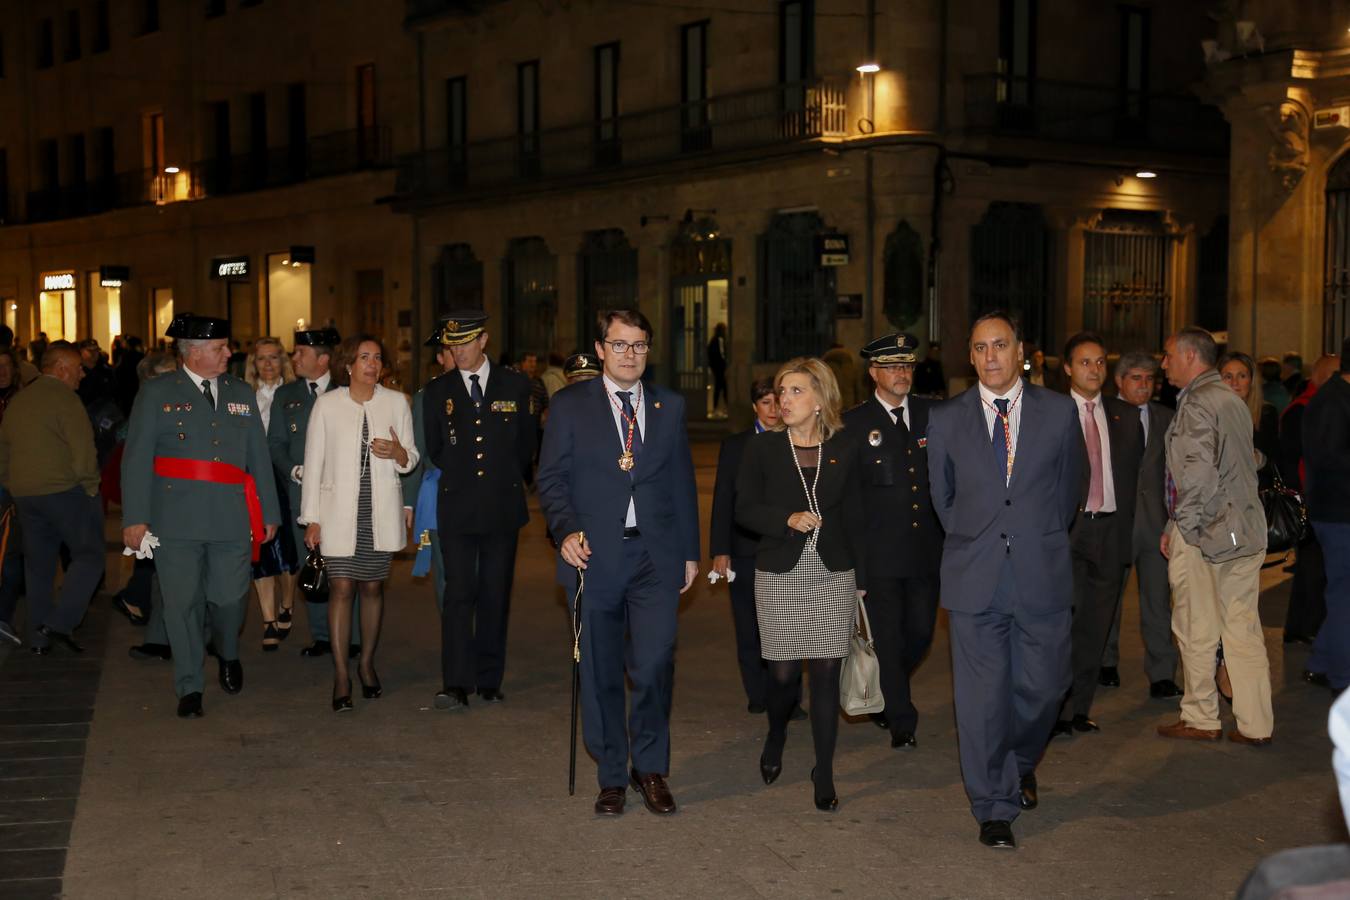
(313, 578)
(1286, 516)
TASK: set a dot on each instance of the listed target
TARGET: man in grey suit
(1005, 462)
(1136, 373)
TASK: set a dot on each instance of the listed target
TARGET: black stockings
(824, 708)
(340, 594)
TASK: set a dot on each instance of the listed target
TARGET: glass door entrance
(699, 354)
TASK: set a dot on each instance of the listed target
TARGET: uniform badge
(293, 429)
(168, 407)
(874, 437)
(187, 407)
(657, 404)
(923, 442)
(504, 406)
(181, 436)
(238, 409)
(449, 406)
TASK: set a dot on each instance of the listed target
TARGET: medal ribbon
(1006, 420)
(630, 422)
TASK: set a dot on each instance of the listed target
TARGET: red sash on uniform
(218, 473)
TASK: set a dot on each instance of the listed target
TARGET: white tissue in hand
(714, 576)
(147, 549)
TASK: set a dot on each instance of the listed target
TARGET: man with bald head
(48, 462)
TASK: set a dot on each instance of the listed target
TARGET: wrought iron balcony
(743, 122)
(1076, 113)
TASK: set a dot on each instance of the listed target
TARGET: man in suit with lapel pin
(478, 426)
(1105, 525)
(1005, 463)
(196, 473)
(1136, 374)
(890, 431)
(616, 483)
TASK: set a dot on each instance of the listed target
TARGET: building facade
(225, 157)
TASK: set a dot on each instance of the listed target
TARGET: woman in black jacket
(799, 489)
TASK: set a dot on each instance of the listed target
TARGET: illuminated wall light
(869, 68)
(1146, 173)
(171, 170)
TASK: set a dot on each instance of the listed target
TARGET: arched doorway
(700, 299)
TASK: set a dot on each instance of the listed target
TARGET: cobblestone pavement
(272, 795)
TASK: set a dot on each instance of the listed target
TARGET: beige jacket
(1211, 461)
(332, 482)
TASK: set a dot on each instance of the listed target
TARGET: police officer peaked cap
(581, 364)
(318, 337)
(197, 328)
(461, 326)
(892, 350)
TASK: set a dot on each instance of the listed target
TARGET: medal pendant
(626, 461)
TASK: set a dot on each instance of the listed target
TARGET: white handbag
(860, 680)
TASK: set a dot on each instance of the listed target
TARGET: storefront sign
(1332, 117)
(113, 276)
(229, 267)
(65, 281)
(848, 306)
(832, 248)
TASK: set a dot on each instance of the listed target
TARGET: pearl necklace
(811, 504)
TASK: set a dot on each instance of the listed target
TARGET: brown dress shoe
(1238, 737)
(1186, 732)
(654, 792)
(610, 801)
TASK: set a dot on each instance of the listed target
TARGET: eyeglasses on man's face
(622, 347)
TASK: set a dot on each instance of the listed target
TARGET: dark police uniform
(484, 450)
(201, 520)
(291, 407)
(904, 537)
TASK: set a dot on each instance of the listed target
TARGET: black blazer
(1326, 434)
(769, 490)
(725, 536)
(1126, 434)
(903, 534)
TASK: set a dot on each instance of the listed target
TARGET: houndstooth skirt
(805, 613)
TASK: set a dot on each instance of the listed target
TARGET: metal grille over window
(1126, 291)
(797, 294)
(1010, 267)
(530, 284)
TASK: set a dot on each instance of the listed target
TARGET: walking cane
(576, 676)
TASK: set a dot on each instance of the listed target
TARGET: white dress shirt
(482, 372)
(898, 413)
(322, 381)
(616, 409)
(1014, 398)
(266, 392)
(199, 381)
(1098, 413)
(1144, 420)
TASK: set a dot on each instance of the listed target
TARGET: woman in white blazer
(359, 440)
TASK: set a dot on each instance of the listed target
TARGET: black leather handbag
(1286, 516)
(313, 578)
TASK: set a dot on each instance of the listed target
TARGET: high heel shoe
(769, 771)
(284, 622)
(370, 691)
(271, 639)
(343, 703)
(824, 804)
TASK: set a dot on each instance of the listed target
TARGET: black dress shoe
(318, 648)
(610, 801)
(231, 676)
(490, 695)
(190, 706)
(756, 709)
(57, 637)
(1062, 727)
(1083, 724)
(904, 741)
(824, 802)
(997, 833)
(1109, 676)
(655, 794)
(151, 651)
(343, 703)
(1317, 678)
(879, 720)
(769, 771)
(135, 618)
(1029, 799)
(374, 690)
(1164, 689)
(452, 698)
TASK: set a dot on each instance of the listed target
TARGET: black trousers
(1098, 570)
(754, 671)
(1308, 593)
(903, 613)
(479, 569)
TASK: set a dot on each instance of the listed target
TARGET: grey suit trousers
(1155, 607)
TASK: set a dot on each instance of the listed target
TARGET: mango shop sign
(62, 281)
(229, 267)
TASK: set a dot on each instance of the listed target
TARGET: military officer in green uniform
(421, 485)
(311, 358)
(196, 475)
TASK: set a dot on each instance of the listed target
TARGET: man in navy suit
(616, 484)
(1005, 464)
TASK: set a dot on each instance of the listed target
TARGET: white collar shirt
(898, 413)
(198, 381)
(322, 381)
(1014, 398)
(483, 371)
(1099, 414)
(1145, 421)
(616, 410)
(266, 392)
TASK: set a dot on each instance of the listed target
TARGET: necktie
(1096, 488)
(1143, 422)
(1001, 437)
(314, 389)
(476, 391)
(206, 392)
(900, 424)
(625, 397)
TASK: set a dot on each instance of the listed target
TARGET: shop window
(43, 50)
(607, 272)
(1125, 279)
(215, 8)
(607, 105)
(1010, 267)
(527, 118)
(105, 310)
(288, 294)
(529, 283)
(102, 37)
(56, 307)
(148, 17)
(695, 132)
(72, 35)
(902, 288)
(797, 295)
(457, 279)
(162, 304)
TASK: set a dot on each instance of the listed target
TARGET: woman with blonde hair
(266, 369)
(1239, 372)
(799, 489)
